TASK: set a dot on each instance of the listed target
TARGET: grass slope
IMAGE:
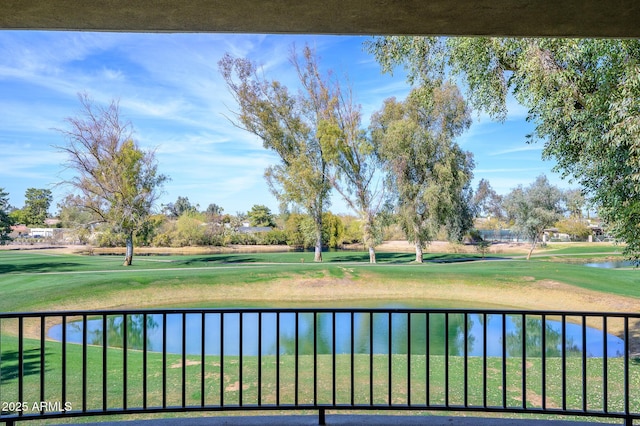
(41, 281)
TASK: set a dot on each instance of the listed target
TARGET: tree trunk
(318, 252)
(317, 257)
(419, 257)
(128, 257)
(533, 246)
(368, 237)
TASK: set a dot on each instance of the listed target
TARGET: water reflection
(326, 333)
(115, 326)
(612, 264)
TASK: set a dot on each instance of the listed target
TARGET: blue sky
(169, 87)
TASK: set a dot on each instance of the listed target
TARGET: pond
(440, 338)
(611, 264)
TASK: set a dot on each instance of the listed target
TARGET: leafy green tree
(189, 230)
(288, 125)
(182, 205)
(581, 94)
(300, 232)
(427, 171)
(117, 181)
(36, 205)
(534, 208)
(296, 227)
(260, 215)
(18, 216)
(5, 219)
(352, 229)
(333, 230)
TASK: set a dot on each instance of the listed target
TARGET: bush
(243, 239)
(483, 247)
(273, 237)
(108, 238)
(576, 228)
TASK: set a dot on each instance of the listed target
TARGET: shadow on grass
(382, 257)
(334, 257)
(457, 258)
(9, 364)
(39, 267)
(222, 258)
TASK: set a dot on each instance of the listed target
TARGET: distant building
(18, 231)
(41, 232)
(51, 221)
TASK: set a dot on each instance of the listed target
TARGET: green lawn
(33, 281)
(41, 281)
(222, 378)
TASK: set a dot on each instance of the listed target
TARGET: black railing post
(20, 361)
(627, 356)
(321, 419)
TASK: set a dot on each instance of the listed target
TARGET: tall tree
(36, 205)
(580, 93)
(427, 171)
(575, 202)
(5, 219)
(116, 180)
(534, 208)
(356, 171)
(288, 125)
(487, 202)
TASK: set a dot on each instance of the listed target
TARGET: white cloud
(524, 148)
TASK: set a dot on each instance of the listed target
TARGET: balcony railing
(85, 363)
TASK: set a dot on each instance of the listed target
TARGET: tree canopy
(261, 215)
(426, 170)
(116, 180)
(182, 205)
(36, 205)
(355, 169)
(581, 94)
(534, 208)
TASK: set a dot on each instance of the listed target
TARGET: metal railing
(83, 363)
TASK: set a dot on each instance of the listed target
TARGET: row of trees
(34, 212)
(194, 229)
(527, 211)
(407, 157)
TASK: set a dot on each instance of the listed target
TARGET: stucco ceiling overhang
(538, 18)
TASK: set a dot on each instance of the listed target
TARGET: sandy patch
(188, 363)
